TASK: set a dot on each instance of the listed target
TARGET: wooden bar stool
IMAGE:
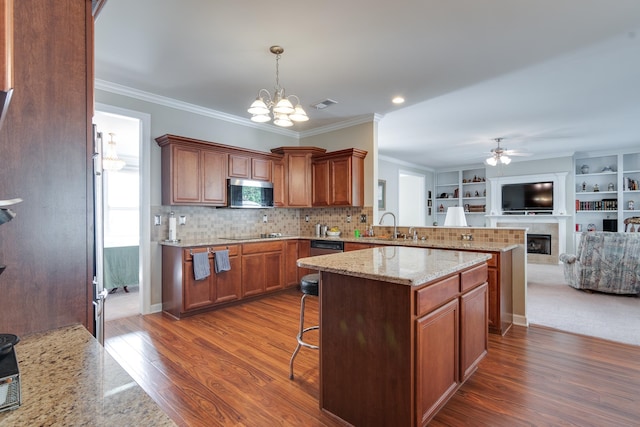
(308, 286)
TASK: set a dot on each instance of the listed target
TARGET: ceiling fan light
(491, 161)
(505, 159)
(260, 118)
(283, 106)
(258, 107)
(299, 115)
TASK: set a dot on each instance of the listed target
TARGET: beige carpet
(122, 304)
(553, 303)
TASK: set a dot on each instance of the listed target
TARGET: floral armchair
(605, 262)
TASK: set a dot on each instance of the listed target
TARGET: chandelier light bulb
(492, 161)
(505, 159)
(110, 160)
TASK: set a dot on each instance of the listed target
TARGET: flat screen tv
(530, 197)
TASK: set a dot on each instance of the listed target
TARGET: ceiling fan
(501, 155)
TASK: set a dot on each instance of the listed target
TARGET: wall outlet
(348, 218)
(157, 219)
(363, 218)
(264, 219)
(306, 218)
(182, 220)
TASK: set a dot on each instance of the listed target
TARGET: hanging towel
(221, 259)
(201, 265)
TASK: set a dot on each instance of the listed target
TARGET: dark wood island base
(393, 353)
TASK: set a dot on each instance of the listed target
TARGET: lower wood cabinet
(182, 294)
(263, 267)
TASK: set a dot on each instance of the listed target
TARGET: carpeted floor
(553, 303)
(122, 304)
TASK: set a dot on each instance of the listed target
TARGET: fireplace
(539, 244)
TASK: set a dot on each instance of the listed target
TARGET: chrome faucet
(413, 233)
(395, 227)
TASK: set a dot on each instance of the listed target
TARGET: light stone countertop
(396, 264)
(68, 379)
(469, 245)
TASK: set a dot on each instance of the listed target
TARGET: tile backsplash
(203, 223)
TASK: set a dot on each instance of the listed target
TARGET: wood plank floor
(230, 367)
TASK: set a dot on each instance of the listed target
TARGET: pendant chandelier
(110, 160)
(278, 105)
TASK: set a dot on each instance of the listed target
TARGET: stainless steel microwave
(244, 193)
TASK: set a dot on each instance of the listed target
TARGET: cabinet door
(320, 179)
(340, 182)
(261, 169)
(253, 279)
(436, 359)
(304, 251)
(214, 178)
(239, 166)
(474, 334)
(494, 300)
(186, 175)
(278, 176)
(274, 276)
(229, 283)
(290, 259)
(299, 179)
(197, 293)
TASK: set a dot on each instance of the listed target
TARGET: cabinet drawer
(187, 254)
(436, 294)
(473, 277)
(233, 249)
(256, 248)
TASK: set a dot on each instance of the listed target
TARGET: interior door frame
(144, 302)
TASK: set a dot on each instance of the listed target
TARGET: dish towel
(201, 265)
(221, 259)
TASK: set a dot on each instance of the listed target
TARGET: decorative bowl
(333, 233)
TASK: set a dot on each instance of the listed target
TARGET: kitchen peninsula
(401, 328)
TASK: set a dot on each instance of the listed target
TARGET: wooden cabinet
(298, 170)
(290, 259)
(437, 368)
(182, 294)
(6, 56)
(354, 246)
(193, 176)
(279, 179)
(247, 167)
(338, 178)
(500, 292)
(438, 333)
(263, 267)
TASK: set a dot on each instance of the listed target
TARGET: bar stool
(308, 286)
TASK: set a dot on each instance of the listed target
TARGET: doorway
(411, 199)
(126, 212)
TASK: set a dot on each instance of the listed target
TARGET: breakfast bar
(401, 329)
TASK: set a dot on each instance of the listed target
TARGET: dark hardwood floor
(230, 367)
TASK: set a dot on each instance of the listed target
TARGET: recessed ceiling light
(398, 100)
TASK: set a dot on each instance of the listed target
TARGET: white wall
(388, 170)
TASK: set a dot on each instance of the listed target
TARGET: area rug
(553, 303)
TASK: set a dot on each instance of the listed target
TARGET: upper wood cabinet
(297, 161)
(249, 167)
(279, 179)
(339, 178)
(192, 174)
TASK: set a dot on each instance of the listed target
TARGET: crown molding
(207, 112)
(405, 163)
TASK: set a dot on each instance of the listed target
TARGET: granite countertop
(68, 379)
(470, 245)
(396, 264)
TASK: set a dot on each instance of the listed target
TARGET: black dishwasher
(323, 247)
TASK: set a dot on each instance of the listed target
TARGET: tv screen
(535, 196)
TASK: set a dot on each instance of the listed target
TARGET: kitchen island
(401, 329)
(68, 379)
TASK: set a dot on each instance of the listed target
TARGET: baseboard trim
(156, 308)
(520, 320)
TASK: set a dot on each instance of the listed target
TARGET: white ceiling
(550, 76)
